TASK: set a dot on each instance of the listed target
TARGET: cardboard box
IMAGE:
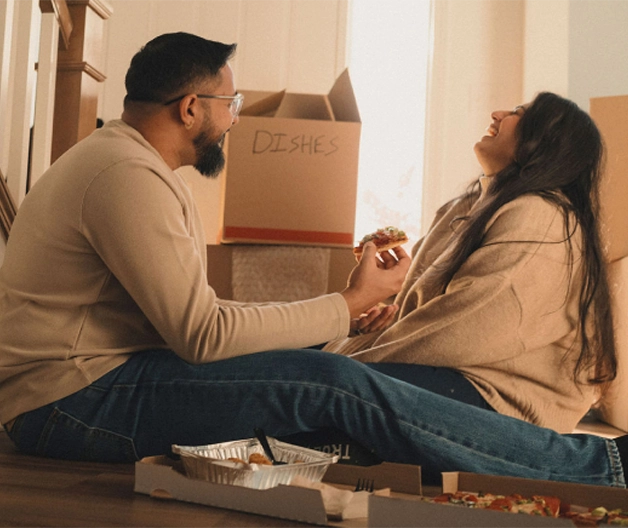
(292, 166)
(611, 116)
(409, 511)
(163, 478)
(220, 270)
(159, 478)
(614, 407)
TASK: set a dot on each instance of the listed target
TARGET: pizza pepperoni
(384, 238)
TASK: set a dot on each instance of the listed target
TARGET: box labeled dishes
(292, 168)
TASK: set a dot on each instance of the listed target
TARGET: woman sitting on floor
(506, 304)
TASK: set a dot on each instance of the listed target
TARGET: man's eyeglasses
(234, 106)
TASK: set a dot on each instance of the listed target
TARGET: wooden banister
(8, 208)
(62, 13)
(79, 74)
(72, 88)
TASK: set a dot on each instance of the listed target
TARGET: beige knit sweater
(507, 320)
(106, 257)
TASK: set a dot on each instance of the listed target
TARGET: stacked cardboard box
(611, 116)
(220, 269)
(292, 167)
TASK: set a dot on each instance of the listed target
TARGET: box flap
(305, 106)
(342, 99)
(572, 493)
(261, 103)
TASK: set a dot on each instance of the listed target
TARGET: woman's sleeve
(519, 275)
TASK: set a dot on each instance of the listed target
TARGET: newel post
(79, 72)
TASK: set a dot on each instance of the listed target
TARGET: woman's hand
(375, 319)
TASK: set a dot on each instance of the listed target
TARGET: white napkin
(340, 504)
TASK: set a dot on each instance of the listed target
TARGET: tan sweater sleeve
(145, 234)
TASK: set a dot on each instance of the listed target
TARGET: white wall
(476, 68)
(576, 48)
(299, 45)
(598, 49)
(490, 54)
(546, 47)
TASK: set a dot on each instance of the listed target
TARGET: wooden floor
(38, 492)
(42, 492)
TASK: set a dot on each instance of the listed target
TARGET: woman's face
(496, 150)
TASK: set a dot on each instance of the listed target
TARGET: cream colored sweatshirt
(507, 320)
(107, 257)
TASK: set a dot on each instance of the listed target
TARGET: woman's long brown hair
(559, 157)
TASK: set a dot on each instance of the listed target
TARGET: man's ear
(187, 110)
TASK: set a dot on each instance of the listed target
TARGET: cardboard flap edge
(342, 99)
(262, 104)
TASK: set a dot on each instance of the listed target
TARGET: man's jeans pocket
(64, 436)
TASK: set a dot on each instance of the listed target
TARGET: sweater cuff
(344, 318)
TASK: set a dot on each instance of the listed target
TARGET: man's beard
(210, 159)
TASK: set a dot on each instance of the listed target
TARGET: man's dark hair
(172, 63)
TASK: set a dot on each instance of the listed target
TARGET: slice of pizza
(596, 516)
(384, 238)
(543, 505)
(515, 503)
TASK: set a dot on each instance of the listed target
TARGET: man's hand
(375, 278)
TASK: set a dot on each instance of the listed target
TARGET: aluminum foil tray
(210, 462)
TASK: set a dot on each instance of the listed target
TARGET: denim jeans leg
(441, 380)
(156, 400)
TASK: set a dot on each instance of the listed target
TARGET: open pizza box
(398, 503)
(163, 478)
(410, 511)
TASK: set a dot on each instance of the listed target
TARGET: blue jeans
(441, 380)
(156, 399)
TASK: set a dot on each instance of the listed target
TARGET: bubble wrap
(279, 273)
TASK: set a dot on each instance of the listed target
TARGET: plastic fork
(365, 485)
(261, 436)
